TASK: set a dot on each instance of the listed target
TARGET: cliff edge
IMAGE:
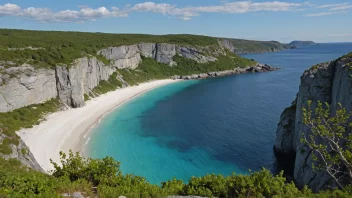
(329, 82)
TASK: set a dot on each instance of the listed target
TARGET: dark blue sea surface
(218, 125)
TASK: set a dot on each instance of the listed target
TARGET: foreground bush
(102, 178)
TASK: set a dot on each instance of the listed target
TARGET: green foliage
(349, 55)
(330, 140)
(24, 151)
(150, 69)
(24, 117)
(19, 181)
(94, 171)
(79, 174)
(86, 97)
(110, 85)
(63, 47)
(247, 46)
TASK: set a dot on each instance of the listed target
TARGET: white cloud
(186, 13)
(322, 14)
(9, 9)
(332, 5)
(342, 7)
(85, 13)
(46, 15)
(153, 7)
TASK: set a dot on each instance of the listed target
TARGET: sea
(219, 125)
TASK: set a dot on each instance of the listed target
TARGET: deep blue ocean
(218, 125)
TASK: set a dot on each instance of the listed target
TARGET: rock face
(30, 87)
(21, 153)
(126, 56)
(194, 54)
(80, 79)
(227, 45)
(327, 82)
(147, 49)
(70, 83)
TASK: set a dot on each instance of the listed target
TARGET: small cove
(218, 125)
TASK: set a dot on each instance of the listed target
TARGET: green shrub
(110, 85)
(24, 117)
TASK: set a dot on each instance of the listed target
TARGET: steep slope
(327, 82)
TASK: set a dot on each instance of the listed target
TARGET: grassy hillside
(52, 47)
(248, 46)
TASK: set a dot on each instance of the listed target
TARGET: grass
(149, 69)
(24, 117)
(110, 85)
(248, 46)
(63, 47)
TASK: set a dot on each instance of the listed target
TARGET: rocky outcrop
(22, 153)
(79, 79)
(126, 56)
(257, 68)
(29, 87)
(284, 134)
(194, 54)
(328, 82)
(147, 49)
(129, 56)
(227, 44)
(165, 52)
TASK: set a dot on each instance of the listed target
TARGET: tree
(330, 140)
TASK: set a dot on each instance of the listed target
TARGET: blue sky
(282, 20)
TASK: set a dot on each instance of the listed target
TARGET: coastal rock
(29, 87)
(194, 54)
(165, 52)
(285, 131)
(227, 44)
(125, 56)
(147, 49)
(327, 82)
(257, 68)
(22, 153)
(80, 79)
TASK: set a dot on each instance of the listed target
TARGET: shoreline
(67, 130)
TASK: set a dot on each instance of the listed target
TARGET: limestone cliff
(327, 82)
(79, 79)
(29, 87)
(24, 85)
(129, 57)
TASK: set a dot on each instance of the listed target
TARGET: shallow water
(218, 125)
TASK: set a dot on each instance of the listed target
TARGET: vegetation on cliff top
(48, 48)
(149, 69)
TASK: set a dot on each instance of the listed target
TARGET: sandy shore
(65, 130)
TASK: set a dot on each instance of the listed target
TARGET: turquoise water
(218, 125)
(143, 156)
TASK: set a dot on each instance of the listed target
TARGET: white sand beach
(65, 130)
